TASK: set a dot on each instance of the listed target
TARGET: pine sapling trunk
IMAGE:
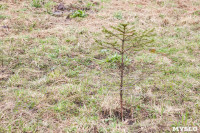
(122, 75)
(121, 87)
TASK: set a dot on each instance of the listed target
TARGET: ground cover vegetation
(54, 77)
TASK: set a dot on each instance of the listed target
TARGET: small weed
(140, 6)
(37, 3)
(71, 129)
(66, 107)
(184, 119)
(49, 6)
(116, 59)
(31, 105)
(32, 26)
(3, 7)
(78, 13)
(54, 74)
(72, 39)
(197, 13)
(162, 110)
(162, 16)
(89, 4)
(16, 80)
(2, 17)
(72, 73)
(118, 15)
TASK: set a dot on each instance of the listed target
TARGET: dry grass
(53, 78)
